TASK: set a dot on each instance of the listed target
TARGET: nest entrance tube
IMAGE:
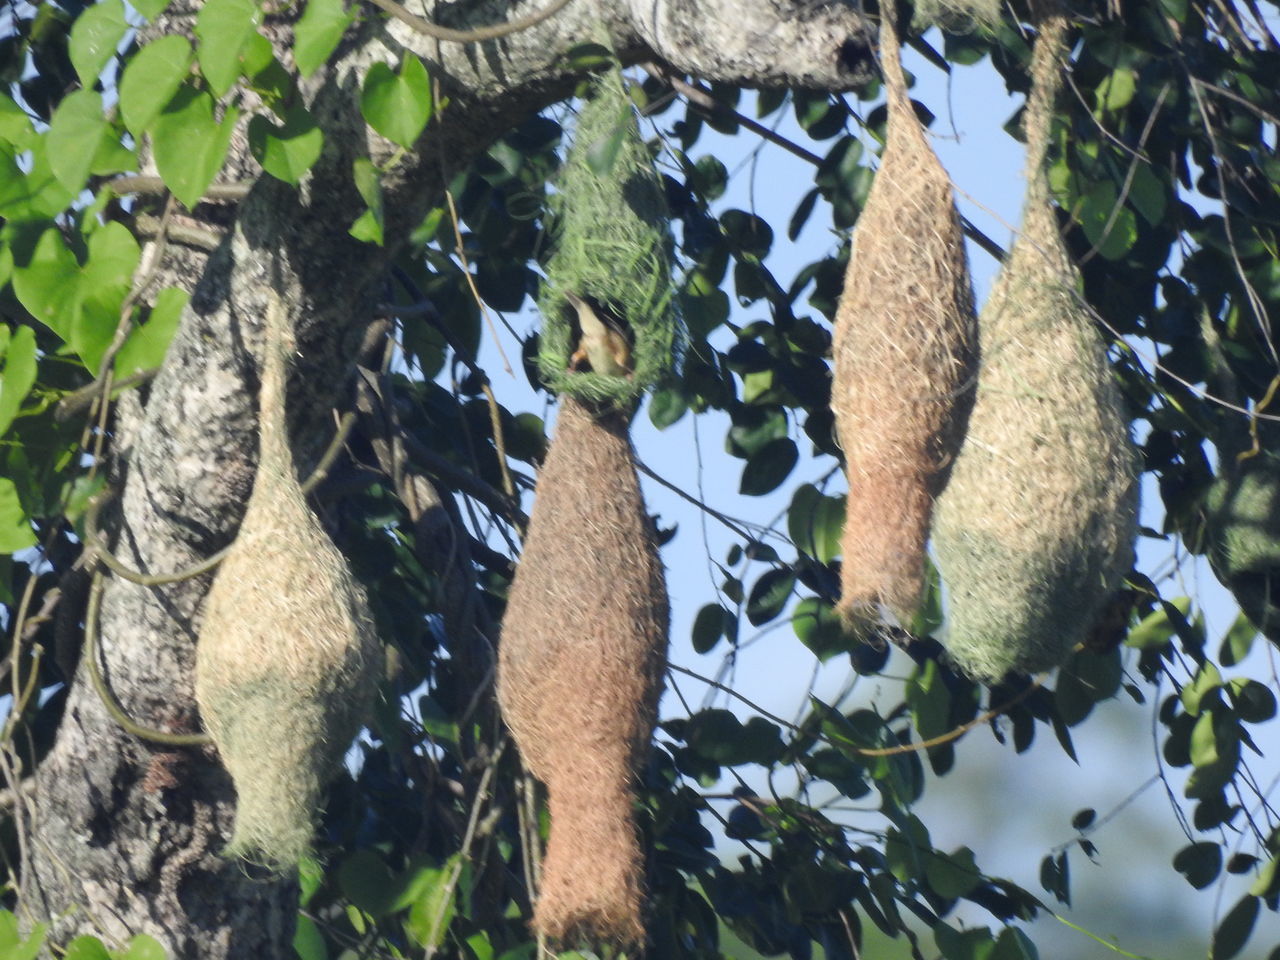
(906, 352)
(1036, 528)
(287, 658)
(580, 671)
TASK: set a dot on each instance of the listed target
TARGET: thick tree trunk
(123, 837)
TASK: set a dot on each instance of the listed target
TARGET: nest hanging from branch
(1243, 508)
(613, 248)
(580, 671)
(1036, 528)
(906, 353)
(287, 659)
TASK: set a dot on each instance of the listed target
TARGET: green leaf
(1109, 226)
(94, 39)
(1013, 944)
(15, 126)
(365, 879)
(1237, 641)
(584, 57)
(19, 373)
(224, 28)
(317, 33)
(147, 344)
(770, 595)
(952, 875)
(37, 195)
(1233, 933)
(1215, 751)
(1267, 883)
(150, 8)
(86, 948)
(769, 467)
(151, 79)
(287, 151)
(1207, 679)
(190, 145)
(815, 522)
(398, 105)
(308, 941)
(1156, 629)
(144, 947)
(1148, 195)
(1116, 90)
(15, 527)
(930, 700)
(970, 944)
(666, 406)
(907, 851)
(75, 133)
(818, 627)
(370, 225)
(708, 627)
(104, 283)
(1254, 701)
(29, 948)
(434, 905)
(45, 283)
(1200, 863)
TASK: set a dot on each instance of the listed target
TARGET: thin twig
(122, 186)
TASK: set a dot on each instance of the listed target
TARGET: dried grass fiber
(906, 353)
(957, 16)
(287, 657)
(1037, 526)
(612, 244)
(580, 670)
(1243, 509)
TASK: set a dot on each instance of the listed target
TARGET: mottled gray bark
(123, 836)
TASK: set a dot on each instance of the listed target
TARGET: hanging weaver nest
(287, 658)
(580, 671)
(612, 246)
(905, 353)
(957, 16)
(1037, 525)
(1243, 510)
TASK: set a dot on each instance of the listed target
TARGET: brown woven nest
(1037, 526)
(580, 671)
(287, 659)
(906, 352)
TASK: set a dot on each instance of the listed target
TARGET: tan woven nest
(287, 659)
(1036, 528)
(580, 671)
(906, 352)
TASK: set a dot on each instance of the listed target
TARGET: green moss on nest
(1243, 509)
(612, 245)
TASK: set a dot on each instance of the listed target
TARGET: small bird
(605, 339)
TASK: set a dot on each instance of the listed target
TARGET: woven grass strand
(1037, 525)
(613, 245)
(287, 658)
(906, 353)
(580, 671)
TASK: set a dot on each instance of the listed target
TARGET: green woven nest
(614, 246)
(1037, 525)
(1243, 509)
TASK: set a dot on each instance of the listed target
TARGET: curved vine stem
(117, 711)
